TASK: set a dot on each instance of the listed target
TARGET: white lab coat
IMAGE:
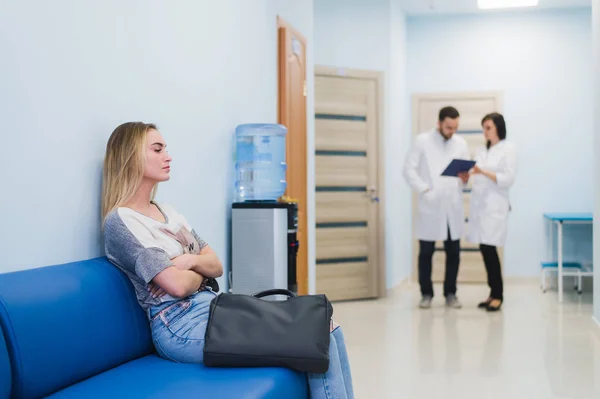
(441, 207)
(488, 216)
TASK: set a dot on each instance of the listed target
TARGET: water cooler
(264, 246)
(264, 243)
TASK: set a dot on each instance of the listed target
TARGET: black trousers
(494, 272)
(426, 249)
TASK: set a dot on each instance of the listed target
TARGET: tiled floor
(534, 348)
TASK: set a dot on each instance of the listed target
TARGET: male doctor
(440, 205)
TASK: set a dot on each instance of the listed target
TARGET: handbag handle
(276, 291)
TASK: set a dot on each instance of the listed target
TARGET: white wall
(542, 62)
(596, 44)
(371, 35)
(72, 71)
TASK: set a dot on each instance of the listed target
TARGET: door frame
(378, 77)
(302, 268)
(451, 95)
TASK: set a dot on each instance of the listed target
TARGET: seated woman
(170, 266)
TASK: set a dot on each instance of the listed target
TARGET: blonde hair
(124, 165)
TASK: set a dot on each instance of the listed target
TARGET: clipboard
(457, 166)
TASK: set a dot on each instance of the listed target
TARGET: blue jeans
(178, 330)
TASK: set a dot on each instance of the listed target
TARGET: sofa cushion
(5, 376)
(153, 377)
(66, 323)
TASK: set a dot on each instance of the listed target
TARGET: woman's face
(157, 163)
(489, 131)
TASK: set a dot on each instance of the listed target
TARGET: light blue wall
(372, 36)
(398, 206)
(353, 34)
(72, 71)
(542, 62)
(596, 44)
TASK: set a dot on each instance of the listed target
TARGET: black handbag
(248, 331)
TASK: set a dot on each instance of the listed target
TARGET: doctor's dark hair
(448, 112)
(499, 122)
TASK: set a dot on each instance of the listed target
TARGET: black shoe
(495, 308)
(484, 305)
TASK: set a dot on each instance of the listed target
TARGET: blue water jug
(260, 162)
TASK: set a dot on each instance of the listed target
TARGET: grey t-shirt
(142, 247)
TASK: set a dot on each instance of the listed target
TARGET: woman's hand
(476, 170)
(184, 262)
(156, 291)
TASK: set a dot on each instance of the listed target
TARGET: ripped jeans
(178, 334)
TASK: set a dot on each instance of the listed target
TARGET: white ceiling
(420, 7)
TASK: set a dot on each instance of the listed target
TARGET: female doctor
(493, 175)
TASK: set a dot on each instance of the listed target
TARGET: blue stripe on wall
(341, 117)
(470, 132)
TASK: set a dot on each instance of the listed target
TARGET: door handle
(372, 192)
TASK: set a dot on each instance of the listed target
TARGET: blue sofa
(5, 375)
(77, 331)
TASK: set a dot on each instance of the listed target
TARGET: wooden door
(347, 128)
(472, 108)
(292, 114)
